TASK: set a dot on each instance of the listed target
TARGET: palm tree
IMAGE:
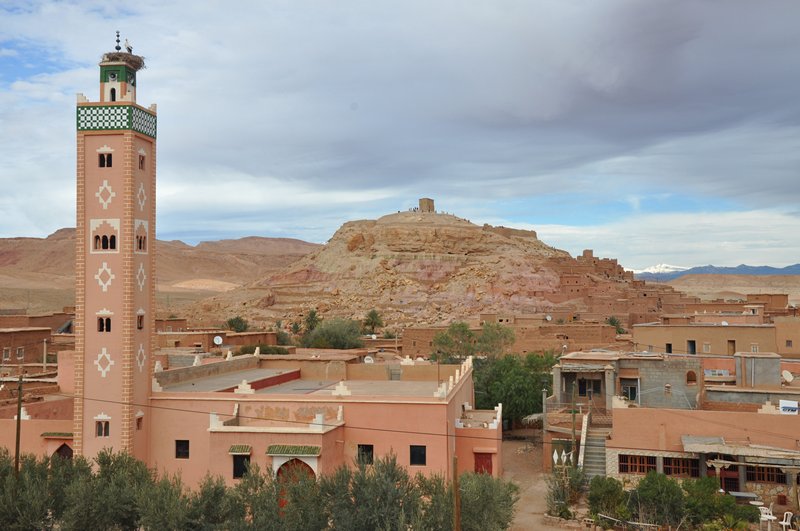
(372, 321)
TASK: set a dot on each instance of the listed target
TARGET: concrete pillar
(660, 464)
(557, 383)
(609, 384)
(742, 476)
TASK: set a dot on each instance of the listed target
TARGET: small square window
(706, 347)
(789, 343)
(418, 455)
(20, 353)
(366, 453)
(754, 347)
(240, 465)
(6, 353)
(181, 449)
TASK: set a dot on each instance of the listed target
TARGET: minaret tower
(115, 262)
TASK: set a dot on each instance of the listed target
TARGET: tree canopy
(372, 321)
(334, 333)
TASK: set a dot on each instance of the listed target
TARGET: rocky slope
(414, 267)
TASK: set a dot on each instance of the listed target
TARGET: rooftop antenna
(118, 47)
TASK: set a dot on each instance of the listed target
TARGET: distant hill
(39, 273)
(743, 269)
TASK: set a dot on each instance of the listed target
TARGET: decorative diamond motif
(141, 357)
(104, 276)
(105, 194)
(141, 196)
(104, 362)
(141, 276)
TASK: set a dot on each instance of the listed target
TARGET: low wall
(238, 363)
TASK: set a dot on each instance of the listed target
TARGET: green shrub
(237, 324)
(265, 349)
(606, 496)
(335, 333)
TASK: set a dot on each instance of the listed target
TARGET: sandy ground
(522, 463)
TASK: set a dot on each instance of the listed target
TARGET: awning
(57, 435)
(294, 450)
(240, 449)
(718, 445)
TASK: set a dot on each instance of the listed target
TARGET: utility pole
(574, 387)
(456, 497)
(19, 421)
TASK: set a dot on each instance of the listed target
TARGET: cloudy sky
(658, 131)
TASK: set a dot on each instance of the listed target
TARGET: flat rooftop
(299, 386)
(356, 388)
(220, 382)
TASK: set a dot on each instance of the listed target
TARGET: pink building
(322, 410)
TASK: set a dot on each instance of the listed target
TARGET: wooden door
(483, 463)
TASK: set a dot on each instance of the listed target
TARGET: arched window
(104, 160)
(97, 243)
(112, 242)
(105, 242)
(104, 324)
(113, 94)
(691, 378)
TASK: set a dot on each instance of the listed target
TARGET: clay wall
(22, 345)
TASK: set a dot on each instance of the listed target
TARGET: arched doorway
(294, 469)
(63, 451)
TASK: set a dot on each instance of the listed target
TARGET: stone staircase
(594, 459)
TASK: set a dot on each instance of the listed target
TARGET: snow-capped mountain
(660, 268)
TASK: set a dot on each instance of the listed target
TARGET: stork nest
(134, 61)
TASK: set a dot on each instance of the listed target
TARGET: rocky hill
(431, 268)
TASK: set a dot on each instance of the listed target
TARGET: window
(366, 453)
(789, 343)
(636, 464)
(668, 348)
(182, 449)
(691, 378)
(762, 474)
(20, 352)
(140, 321)
(6, 353)
(691, 347)
(138, 423)
(588, 386)
(104, 324)
(753, 347)
(418, 455)
(706, 347)
(141, 243)
(630, 388)
(682, 467)
(141, 162)
(113, 94)
(101, 428)
(240, 465)
(104, 160)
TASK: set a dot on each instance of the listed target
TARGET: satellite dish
(217, 340)
(548, 317)
(724, 323)
(787, 376)
(368, 359)
(374, 336)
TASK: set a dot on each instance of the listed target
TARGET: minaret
(115, 263)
